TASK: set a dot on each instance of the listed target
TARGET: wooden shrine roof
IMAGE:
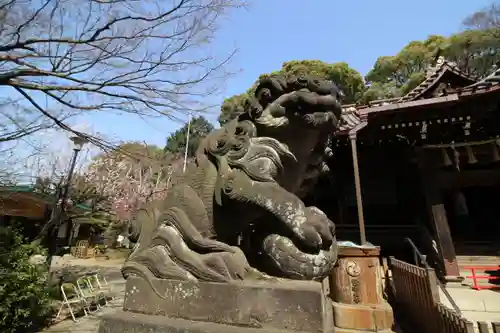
(443, 77)
(490, 81)
(444, 84)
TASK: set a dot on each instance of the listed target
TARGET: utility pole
(187, 144)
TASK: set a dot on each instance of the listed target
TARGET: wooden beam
(430, 102)
(459, 179)
(437, 214)
(412, 104)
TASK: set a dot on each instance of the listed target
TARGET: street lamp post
(61, 198)
(78, 143)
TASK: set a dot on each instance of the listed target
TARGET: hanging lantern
(494, 152)
(470, 155)
(446, 158)
(456, 157)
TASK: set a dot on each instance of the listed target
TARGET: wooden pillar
(437, 214)
(357, 182)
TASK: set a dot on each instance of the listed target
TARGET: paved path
(90, 323)
(476, 305)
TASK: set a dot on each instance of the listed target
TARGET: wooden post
(356, 277)
(433, 284)
(483, 327)
(437, 214)
(357, 292)
(357, 182)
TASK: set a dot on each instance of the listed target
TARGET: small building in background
(23, 205)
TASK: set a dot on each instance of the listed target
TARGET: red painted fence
(475, 277)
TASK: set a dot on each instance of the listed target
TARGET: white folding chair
(100, 286)
(71, 295)
(88, 293)
(101, 281)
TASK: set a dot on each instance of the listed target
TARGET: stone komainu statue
(239, 215)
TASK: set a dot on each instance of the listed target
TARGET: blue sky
(271, 32)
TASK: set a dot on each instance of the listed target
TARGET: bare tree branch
(487, 19)
(148, 57)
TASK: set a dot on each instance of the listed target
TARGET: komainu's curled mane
(239, 213)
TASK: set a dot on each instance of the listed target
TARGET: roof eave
(452, 98)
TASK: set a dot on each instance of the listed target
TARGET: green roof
(48, 199)
(17, 188)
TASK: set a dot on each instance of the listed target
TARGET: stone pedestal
(357, 292)
(186, 307)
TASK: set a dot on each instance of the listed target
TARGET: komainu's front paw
(310, 236)
(322, 225)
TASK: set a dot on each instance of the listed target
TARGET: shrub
(25, 304)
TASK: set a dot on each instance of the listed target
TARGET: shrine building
(424, 166)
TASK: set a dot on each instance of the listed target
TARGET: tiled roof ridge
(438, 64)
(491, 80)
(349, 117)
(433, 74)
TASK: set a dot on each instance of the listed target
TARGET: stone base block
(297, 306)
(126, 322)
(363, 318)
